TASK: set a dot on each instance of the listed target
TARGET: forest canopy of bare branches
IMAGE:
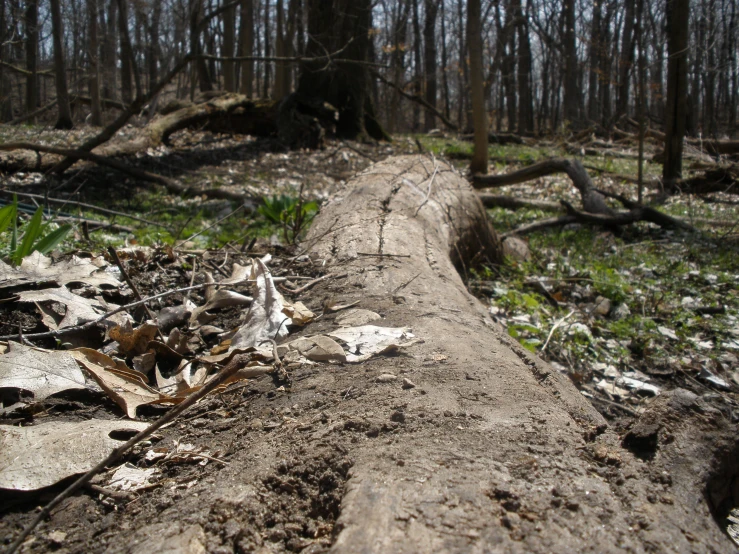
(549, 66)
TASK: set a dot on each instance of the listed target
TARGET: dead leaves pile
(159, 362)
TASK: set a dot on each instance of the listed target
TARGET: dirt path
(486, 449)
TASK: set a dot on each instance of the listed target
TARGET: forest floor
(627, 314)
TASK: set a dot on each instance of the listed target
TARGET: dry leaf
(79, 310)
(41, 455)
(128, 477)
(133, 341)
(126, 390)
(319, 349)
(368, 340)
(299, 314)
(239, 274)
(219, 299)
(265, 319)
(42, 372)
(38, 269)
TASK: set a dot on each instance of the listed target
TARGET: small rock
(620, 312)
(408, 384)
(602, 306)
(386, 378)
(516, 249)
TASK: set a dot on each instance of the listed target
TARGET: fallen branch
(90, 207)
(106, 315)
(592, 200)
(514, 203)
(81, 154)
(539, 225)
(641, 213)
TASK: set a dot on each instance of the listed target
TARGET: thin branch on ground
(94, 322)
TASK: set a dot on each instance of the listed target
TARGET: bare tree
(431, 8)
(677, 17)
(479, 163)
(64, 113)
(31, 21)
(229, 40)
(246, 42)
(96, 117)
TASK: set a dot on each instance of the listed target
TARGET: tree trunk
(154, 52)
(229, 41)
(429, 60)
(417, 66)
(6, 98)
(200, 75)
(280, 89)
(525, 96)
(626, 60)
(332, 26)
(64, 117)
(31, 21)
(571, 92)
(479, 162)
(594, 54)
(109, 61)
(246, 39)
(678, 15)
(96, 114)
(126, 58)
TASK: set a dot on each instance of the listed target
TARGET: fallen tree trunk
(233, 113)
(489, 449)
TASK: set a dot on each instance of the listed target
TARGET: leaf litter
(137, 371)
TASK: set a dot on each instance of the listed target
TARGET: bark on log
(509, 477)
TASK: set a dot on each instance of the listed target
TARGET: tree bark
(154, 50)
(126, 53)
(429, 60)
(229, 40)
(31, 21)
(246, 39)
(678, 15)
(64, 115)
(96, 114)
(6, 98)
(571, 92)
(479, 163)
(341, 25)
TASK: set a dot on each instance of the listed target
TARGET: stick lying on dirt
(233, 366)
(91, 324)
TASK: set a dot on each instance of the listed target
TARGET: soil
(491, 450)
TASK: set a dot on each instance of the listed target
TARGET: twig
(428, 191)
(311, 284)
(208, 227)
(90, 207)
(554, 327)
(233, 366)
(132, 285)
(91, 324)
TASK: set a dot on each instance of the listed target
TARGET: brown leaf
(125, 388)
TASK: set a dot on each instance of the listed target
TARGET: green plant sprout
(36, 235)
(291, 213)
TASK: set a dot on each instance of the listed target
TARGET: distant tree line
(548, 66)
